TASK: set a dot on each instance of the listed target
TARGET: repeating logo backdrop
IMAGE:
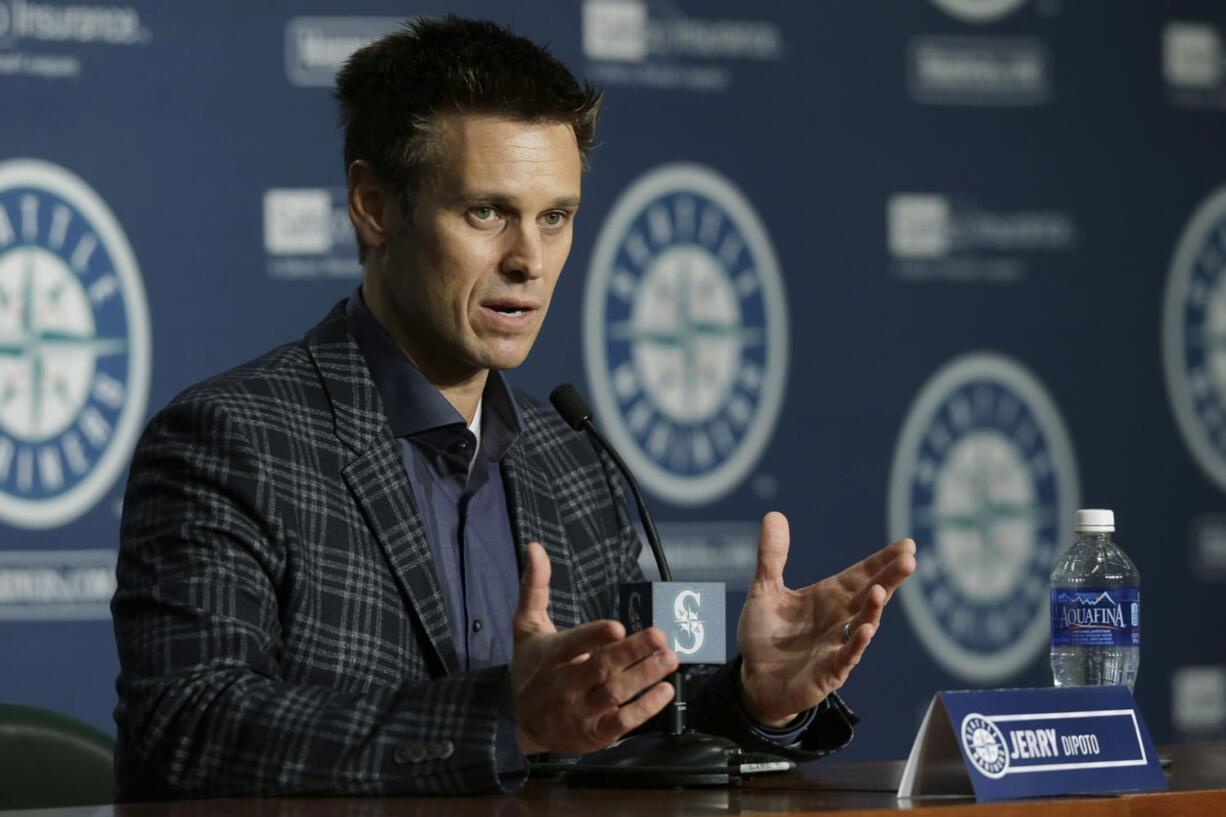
(942, 271)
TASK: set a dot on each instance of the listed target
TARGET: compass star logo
(686, 332)
(983, 478)
(74, 346)
(688, 622)
(1194, 336)
(985, 746)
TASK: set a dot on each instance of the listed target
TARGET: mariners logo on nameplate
(1194, 336)
(685, 333)
(1031, 742)
(74, 346)
(983, 478)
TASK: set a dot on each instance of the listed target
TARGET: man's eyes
(487, 214)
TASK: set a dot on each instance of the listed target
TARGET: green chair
(49, 760)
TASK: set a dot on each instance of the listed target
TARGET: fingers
(772, 549)
(879, 560)
(633, 715)
(532, 614)
(571, 644)
(875, 599)
(617, 674)
(893, 571)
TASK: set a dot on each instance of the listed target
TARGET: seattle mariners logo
(985, 746)
(686, 333)
(979, 11)
(688, 622)
(74, 346)
(1194, 336)
(984, 479)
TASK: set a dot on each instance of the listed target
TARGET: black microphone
(574, 410)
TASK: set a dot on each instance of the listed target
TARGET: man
(360, 564)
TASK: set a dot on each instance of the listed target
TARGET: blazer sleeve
(713, 694)
(204, 709)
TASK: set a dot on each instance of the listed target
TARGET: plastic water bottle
(1095, 609)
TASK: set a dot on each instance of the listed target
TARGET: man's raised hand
(570, 689)
(792, 642)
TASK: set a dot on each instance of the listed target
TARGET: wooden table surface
(1197, 779)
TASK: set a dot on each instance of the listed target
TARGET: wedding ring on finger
(847, 633)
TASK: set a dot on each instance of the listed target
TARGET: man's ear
(371, 205)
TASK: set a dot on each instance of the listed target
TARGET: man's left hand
(792, 642)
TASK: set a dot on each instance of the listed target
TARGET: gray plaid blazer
(279, 623)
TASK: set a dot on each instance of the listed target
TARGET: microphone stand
(677, 756)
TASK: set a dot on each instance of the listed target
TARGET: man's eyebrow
(511, 203)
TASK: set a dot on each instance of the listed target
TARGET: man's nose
(525, 254)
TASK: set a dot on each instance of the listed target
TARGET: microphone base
(661, 760)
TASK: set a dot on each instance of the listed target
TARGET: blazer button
(401, 754)
(418, 753)
(444, 749)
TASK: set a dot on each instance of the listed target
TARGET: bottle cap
(1095, 520)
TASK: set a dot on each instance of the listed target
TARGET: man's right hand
(570, 689)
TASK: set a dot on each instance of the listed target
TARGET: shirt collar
(412, 403)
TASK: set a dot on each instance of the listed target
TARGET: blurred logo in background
(632, 42)
(317, 47)
(1011, 71)
(74, 346)
(1194, 64)
(685, 333)
(985, 481)
(979, 11)
(935, 236)
(307, 234)
(1194, 336)
(1198, 701)
(28, 23)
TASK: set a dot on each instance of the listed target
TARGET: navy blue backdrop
(951, 268)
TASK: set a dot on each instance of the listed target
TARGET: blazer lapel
(376, 478)
(535, 518)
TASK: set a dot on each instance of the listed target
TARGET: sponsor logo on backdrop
(1194, 64)
(317, 47)
(56, 585)
(979, 11)
(985, 746)
(1208, 556)
(1198, 700)
(687, 610)
(27, 23)
(985, 481)
(1194, 336)
(307, 234)
(685, 333)
(631, 42)
(708, 551)
(978, 70)
(74, 346)
(942, 237)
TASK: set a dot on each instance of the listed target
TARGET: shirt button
(476, 625)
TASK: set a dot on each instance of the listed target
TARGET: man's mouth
(511, 308)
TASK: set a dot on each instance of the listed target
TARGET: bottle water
(1095, 609)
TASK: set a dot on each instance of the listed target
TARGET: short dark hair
(392, 91)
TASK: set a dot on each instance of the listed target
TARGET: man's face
(470, 275)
